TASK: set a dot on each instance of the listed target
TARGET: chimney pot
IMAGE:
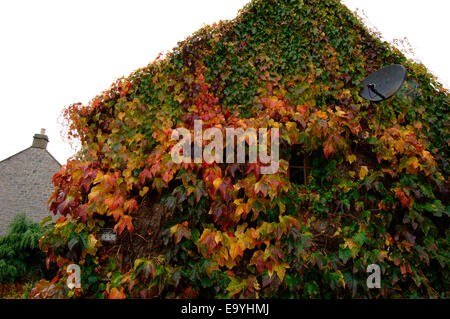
(40, 140)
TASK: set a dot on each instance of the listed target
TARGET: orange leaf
(125, 221)
(131, 205)
(404, 199)
(116, 293)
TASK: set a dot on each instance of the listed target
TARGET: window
(299, 168)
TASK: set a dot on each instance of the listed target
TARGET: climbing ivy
(377, 192)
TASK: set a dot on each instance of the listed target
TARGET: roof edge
(27, 150)
(15, 154)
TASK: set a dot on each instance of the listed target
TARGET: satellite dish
(384, 83)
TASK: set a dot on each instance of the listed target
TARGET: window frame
(305, 167)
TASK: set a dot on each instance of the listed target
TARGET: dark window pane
(296, 175)
(296, 156)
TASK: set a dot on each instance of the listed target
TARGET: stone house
(26, 182)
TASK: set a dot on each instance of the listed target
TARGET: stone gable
(26, 184)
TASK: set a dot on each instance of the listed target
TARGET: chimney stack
(40, 140)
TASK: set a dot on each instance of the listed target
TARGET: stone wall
(26, 185)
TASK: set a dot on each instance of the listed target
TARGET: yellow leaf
(349, 244)
(281, 270)
(363, 172)
(351, 158)
(282, 207)
(217, 182)
(143, 191)
(338, 232)
(127, 173)
(413, 164)
(92, 241)
(98, 178)
(91, 224)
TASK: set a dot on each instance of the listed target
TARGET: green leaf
(360, 238)
(72, 242)
(345, 254)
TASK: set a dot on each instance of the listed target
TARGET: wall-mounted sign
(107, 235)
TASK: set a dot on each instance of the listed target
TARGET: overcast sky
(55, 53)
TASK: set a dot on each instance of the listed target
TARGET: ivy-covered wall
(377, 193)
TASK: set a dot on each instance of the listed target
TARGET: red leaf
(62, 208)
(328, 148)
(404, 199)
(255, 168)
(82, 213)
(208, 239)
(190, 293)
(47, 262)
(144, 175)
(224, 189)
(258, 261)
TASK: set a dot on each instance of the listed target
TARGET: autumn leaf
(320, 114)
(131, 205)
(280, 270)
(237, 247)
(82, 213)
(145, 174)
(117, 293)
(208, 240)
(261, 187)
(235, 286)
(363, 172)
(159, 184)
(351, 158)
(258, 260)
(241, 208)
(124, 222)
(114, 202)
(255, 168)
(328, 148)
(145, 268)
(180, 231)
(143, 191)
(404, 199)
(224, 187)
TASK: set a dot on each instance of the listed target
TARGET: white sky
(55, 53)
